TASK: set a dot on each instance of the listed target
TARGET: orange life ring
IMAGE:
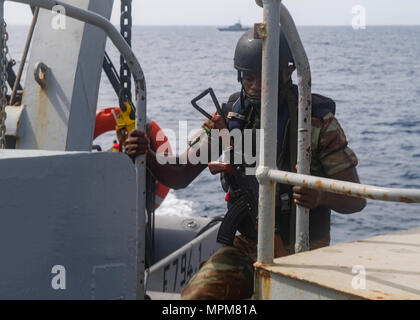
(105, 121)
(159, 139)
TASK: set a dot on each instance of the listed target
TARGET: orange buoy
(106, 121)
(161, 142)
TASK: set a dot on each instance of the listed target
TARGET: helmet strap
(255, 102)
(240, 76)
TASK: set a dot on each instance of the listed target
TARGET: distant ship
(236, 27)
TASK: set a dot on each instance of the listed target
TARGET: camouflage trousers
(229, 273)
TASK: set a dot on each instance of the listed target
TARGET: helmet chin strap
(244, 94)
(255, 102)
(283, 88)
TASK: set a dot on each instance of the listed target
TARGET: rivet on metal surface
(190, 224)
(40, 73)
(260, 31)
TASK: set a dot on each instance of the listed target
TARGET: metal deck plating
(382, 267)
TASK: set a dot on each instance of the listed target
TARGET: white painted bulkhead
(61, 116)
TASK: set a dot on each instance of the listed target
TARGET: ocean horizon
(371, 74)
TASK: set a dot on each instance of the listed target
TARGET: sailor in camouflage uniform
(229, 273)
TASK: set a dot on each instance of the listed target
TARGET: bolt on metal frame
(140, 85)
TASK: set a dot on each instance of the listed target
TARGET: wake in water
(172, 206)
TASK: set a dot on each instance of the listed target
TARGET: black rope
(111, 73)
(150, 210)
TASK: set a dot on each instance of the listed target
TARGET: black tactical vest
(319, 218)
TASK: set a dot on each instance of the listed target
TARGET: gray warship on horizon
(236, 27)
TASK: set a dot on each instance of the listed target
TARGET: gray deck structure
(378, 268)
(68, 210)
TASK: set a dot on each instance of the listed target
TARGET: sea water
(372, 74)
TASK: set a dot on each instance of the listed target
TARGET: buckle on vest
(285, 203)
(236, 115)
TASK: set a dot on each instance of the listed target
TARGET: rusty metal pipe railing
(304, 120)
(269, 101)
(269, 132)
(346, 188)
(114, 35)
(266, 175)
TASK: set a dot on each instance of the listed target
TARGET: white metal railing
(346, 188)
(274, 12)
(269, 102)
(140, 84)
(268, 174)
(304, 120)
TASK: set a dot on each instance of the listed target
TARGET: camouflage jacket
(330, 155)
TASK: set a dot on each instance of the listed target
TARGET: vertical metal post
(268, 142)
(304, 120)
(141, 191)
(24, 55)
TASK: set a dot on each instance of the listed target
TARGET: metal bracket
(40, 73)
(260, 31)
(14, 114)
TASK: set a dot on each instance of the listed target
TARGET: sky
(226, 12)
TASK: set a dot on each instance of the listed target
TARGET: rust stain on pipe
(260, 31)
(319, 183)
(262, 282)
(406, 199)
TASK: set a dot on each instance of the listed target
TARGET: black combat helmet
(248, 53)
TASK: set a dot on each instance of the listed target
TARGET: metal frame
(267, 173)
(275, 11)
(346, 188)
(140, 83)
(304, 120)
(268, 142)
(16, 84)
